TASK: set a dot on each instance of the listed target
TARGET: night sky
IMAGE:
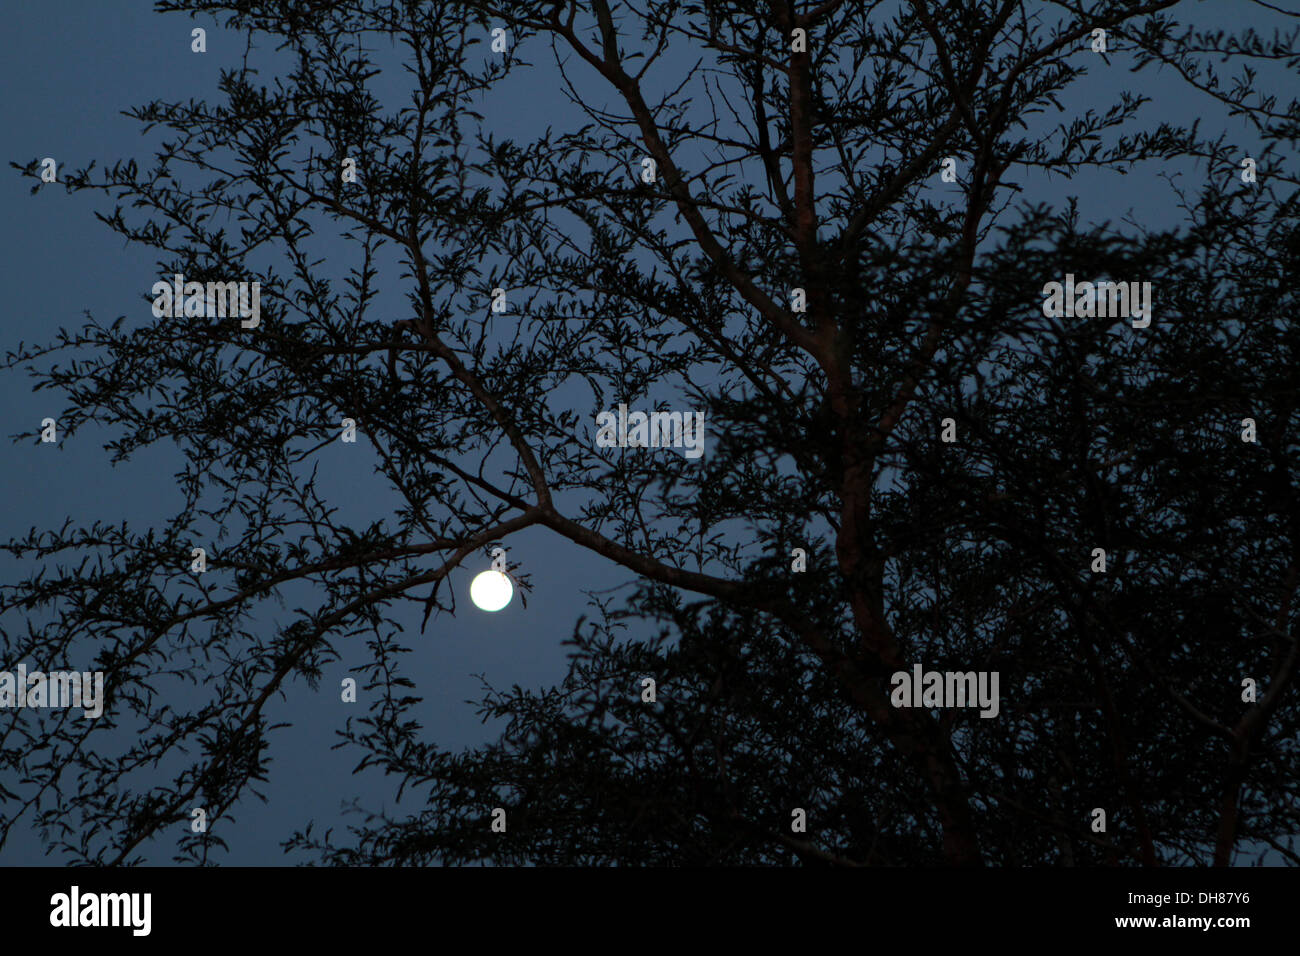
(70, 68)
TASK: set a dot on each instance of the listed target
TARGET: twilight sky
(69, 69)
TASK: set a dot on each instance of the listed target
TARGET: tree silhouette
(796, 268)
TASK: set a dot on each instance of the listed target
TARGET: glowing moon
(491, 591)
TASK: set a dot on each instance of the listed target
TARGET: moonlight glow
(491, 591)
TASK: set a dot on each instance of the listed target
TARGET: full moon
(491, 591)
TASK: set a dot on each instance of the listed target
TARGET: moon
(491, 590)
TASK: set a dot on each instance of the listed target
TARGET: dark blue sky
(69, 69)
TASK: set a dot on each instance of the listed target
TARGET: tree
(745, 215)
